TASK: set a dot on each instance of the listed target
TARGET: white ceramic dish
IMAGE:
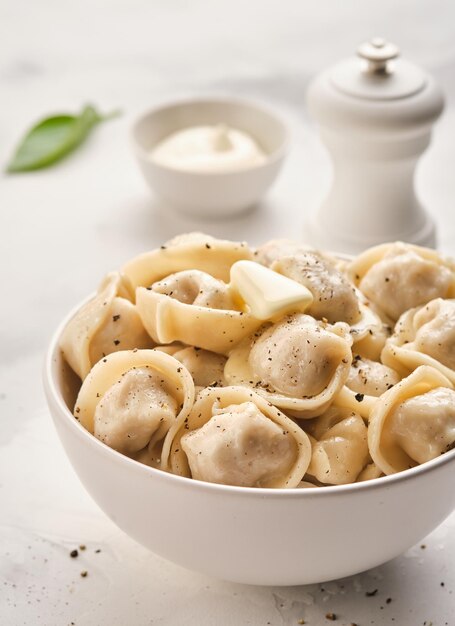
(210, 194)
(249, 535)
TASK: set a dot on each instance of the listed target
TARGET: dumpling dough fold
(194, 308)
(370, 332)
(192, 251)
(339, 446)
(424, 336)
(107, 323)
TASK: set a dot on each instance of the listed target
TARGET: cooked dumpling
(367, 381)
(370, 377)
(399, 276)
(206, 368)
(193, 251)
(424, 426)
(334, 298)
(239, 446)
(107, 323)
(196, 287)
(413, 422)
(298, 364)
(196, 309)
(284, 358)
(424, 336)
(234, 437)
(339, 447)
(131, 399)
(133, 408)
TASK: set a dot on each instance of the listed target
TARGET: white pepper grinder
(375, 113)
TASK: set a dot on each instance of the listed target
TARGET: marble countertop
(61, 229)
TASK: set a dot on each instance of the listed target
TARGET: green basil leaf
(53, 138)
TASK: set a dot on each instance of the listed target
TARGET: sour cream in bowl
(205, 149)
(211, 157)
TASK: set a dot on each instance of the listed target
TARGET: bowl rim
(53, 393)
(273, 157)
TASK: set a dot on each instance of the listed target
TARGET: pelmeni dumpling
(192, 251)
(197, 288)
(413, 422)
(367, 381)
(334, 298)
(131, 410)
(339, 446)
(424, 336)
(371, 377)
(298, 364)
(206, 368)
(107, 323)
(196, 309)
(399, 276)
(234, 437)
(131, 399)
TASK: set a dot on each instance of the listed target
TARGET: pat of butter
(267, 293)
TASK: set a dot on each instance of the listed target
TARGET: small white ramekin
(210, 194)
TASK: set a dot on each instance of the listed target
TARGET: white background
(62, 229)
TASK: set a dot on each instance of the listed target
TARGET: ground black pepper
(370, 594)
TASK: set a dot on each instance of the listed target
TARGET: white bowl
(211, 194)
(246, 535)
